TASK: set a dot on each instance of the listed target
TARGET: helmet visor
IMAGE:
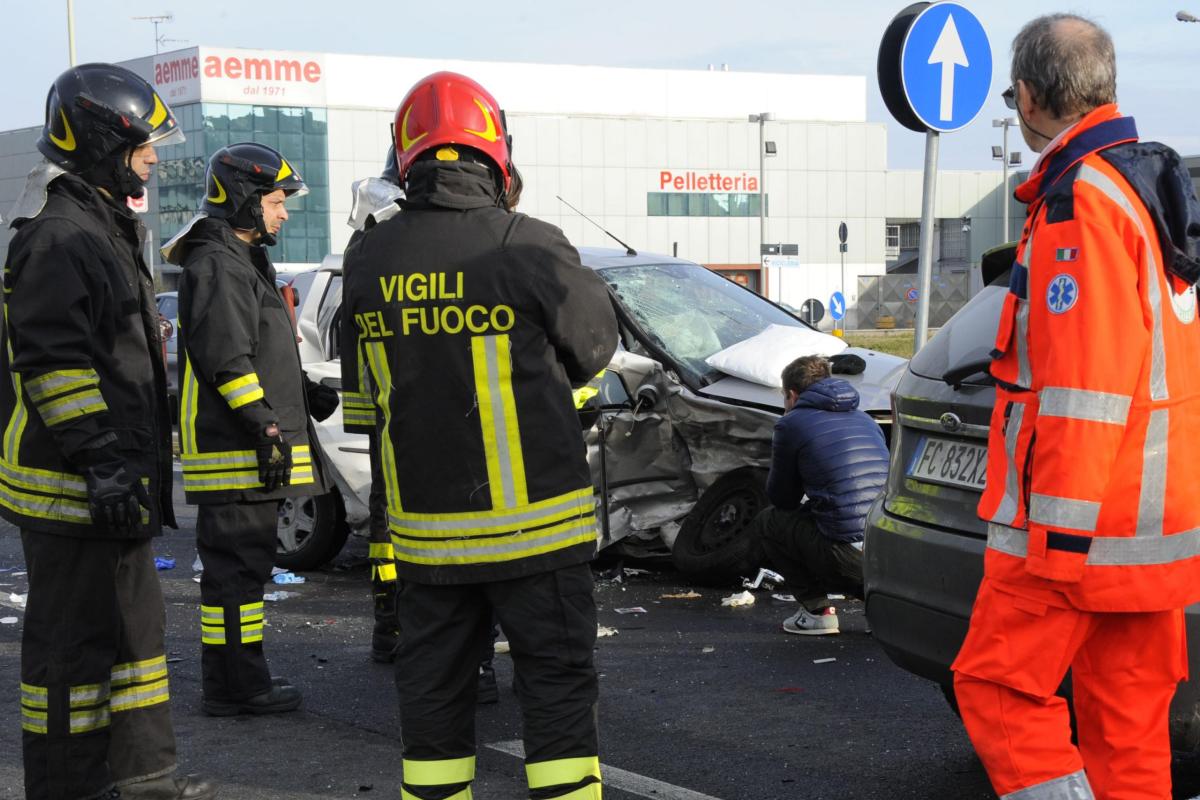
(166, 137)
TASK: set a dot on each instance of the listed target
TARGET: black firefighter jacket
(464, 329)
(82, 364)
(239, 370)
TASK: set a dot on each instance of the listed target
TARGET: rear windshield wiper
(957, 376)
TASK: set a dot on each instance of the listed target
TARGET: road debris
(277, 571)
(285, 577)
(631, 571)
(602, 631)
(197, 565)
(708, 649)
(823, 660)
(634, 610)
(275, 597)
(17, 599)
(784, 598)
(738, 600)
(766, 579)
(8, 620)
(500, 647)
(681, 596)
(164, 562)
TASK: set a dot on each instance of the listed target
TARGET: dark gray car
(924, 542)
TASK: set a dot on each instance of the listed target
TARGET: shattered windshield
(691, 312)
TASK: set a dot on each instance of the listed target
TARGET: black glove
(322, 399)
(274, 459)
(115, 497)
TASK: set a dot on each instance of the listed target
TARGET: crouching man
(828, 464)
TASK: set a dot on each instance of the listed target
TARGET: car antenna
(629, 251)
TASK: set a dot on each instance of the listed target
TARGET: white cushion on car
(761, 359)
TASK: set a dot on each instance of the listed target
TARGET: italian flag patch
(1066, 254)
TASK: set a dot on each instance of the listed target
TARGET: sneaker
(277, 699)
(487, 692)
(812, 623)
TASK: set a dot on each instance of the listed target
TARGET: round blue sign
(911, 294)
(946, 66)
(837, 305)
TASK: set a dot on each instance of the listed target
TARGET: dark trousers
(236, 543)
(812, 564)
(94, 697)
(550, 620)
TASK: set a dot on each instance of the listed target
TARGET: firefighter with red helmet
(86, 462)
(245, 404)
(471, 325)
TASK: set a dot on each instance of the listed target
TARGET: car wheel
(714, 545)
(312, 530)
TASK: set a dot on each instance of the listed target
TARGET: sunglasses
(1009, 96)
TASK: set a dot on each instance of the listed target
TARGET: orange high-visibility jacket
(1094, 448)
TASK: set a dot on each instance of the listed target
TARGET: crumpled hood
(1158, 175)
(33, 196)
(459, 185)
(173, 251)
(830, 394)
(374, 199)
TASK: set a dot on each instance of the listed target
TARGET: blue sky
(1157, 57)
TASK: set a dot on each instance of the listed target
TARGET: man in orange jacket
(1094, 531)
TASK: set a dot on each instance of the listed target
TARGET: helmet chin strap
(115, 176)
(265, 237)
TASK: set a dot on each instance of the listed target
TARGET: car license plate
(949, 462)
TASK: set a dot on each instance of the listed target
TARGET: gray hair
(1069, 62)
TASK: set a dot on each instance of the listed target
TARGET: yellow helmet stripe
(160, 112)
(405, 141)
(220, 196)
(68, 141)
(284, 171)
(488, 134)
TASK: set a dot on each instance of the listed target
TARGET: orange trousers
(1124, 671)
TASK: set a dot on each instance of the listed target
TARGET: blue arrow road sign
(946, 66)
(837, 305)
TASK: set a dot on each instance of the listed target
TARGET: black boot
(487, 692)
(276, 700)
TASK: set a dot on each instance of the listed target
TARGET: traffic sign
(946, 66)
(811, 311)
(911, 294)
(837, 305)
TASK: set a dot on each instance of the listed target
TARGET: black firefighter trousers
(550, 620)
(94, 697)
(236, 543)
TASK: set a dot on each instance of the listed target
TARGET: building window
(891, 240)
(683, 204)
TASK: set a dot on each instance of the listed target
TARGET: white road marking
(629, 782)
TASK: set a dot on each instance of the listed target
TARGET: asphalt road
(698, 702)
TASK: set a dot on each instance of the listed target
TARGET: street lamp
(1002, 154)
(762, 119)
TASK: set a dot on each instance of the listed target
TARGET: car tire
(312, 530)
(713, 545)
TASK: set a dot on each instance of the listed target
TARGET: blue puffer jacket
(829, 450)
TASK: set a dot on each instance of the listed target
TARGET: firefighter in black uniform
(244, 428)
(473, 323)
(85, 470)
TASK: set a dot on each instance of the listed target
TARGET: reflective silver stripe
(45, 508)
(234, 396)
(501, 547)
(503, 453)
(1069, 787)
(248, 461)
(1084, 405)
(1063, 512)
(34, 696)
(140, 696)
(43, 480)
(88, 695)
(137, 671)
(251, 612)
(1158, 360)
(83, 721)
(212, 616)
(1110, 551)
(1024, 369)
(33, 721)
(572, 503)
(1007, 511)
(53, 383)
(1153, 501)
(71, 407)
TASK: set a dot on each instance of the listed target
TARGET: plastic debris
(766, 579)
(8, 620)
(18, 574)
(277, 571)
(784, 598)
(836, 596)
(174, 660)
(634, 610)
(602, 631)
(500, 647)
(275, 597)
(739, 600)
(196, 578)
(164, 562)
(631, 571)
(17, 599)
(287, 577)
(823, 660)
(708, 649)
(197, 565)
(681, 596)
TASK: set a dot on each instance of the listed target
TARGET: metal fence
(895, 296)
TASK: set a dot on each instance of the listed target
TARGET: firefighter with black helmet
(244, 430)
(86, 459)
(472, 324)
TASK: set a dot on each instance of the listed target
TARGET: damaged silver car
(680, 431)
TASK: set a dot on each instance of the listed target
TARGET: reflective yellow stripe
(492, 361)
(222, 481)
(386, 572)
(252, 633)
(480, 523)
(43, 480)
(561, 771)
(211, 635)
(139, 671)
(140, 696)
(33, 721)
(33, 696)
(441, 772)
(228, 388)
(465, 794)
(88, 695)
(379, 550)
(241, 391)
(43, 387)
(213, 615)
(72, 406)
(382, 378)
(496, 549)
(189, 407)
(251, 611)
(16, 423)
(58, 509)
(90, 720)
(301, 454)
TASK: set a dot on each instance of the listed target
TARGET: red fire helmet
(447, 108)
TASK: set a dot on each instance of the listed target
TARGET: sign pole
(925, 251)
